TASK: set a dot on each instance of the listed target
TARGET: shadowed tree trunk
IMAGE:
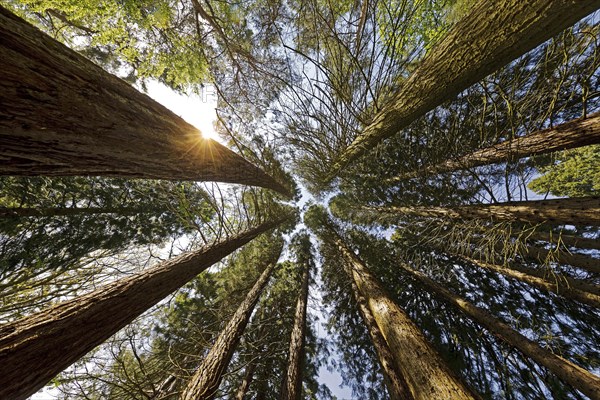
(395, 383)
(578, 133)
(292, 385)
(36, 348)
(576, 211)
(564, 286)
(246, 381)
(491, 35)
(422, 368)
(60, 114)
(577, 377)
(205, 382)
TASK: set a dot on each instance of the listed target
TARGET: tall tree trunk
(491, 35)
(564, 286)
(67, 211)
(581, 261)
(60, 114)
(424, 371)
(246, 381)
(205, 382)
(577, 377)
(575, 211)
(556, 238)
(292, 385)
(394, 380)
(578, 133)
(66, 332)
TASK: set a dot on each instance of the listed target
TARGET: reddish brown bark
(576, 211)
(205, 382)
(582, 261)
(572, 374)
(60, 115)
(36, 348)
(248, 377)
(490, 36)
(578, 133)
(292, 385)
(422, 368)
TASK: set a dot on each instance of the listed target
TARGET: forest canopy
(404, 194)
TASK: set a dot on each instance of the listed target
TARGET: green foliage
(575, 173)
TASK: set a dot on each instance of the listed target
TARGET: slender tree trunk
(581, 261)
(248, 377)
(491, 35)
(556, 238)
(67, 211)
(205, 382)
(394, 380)
(577, 377)
(566, 287)
(575, 211)
(61, 115)
(292, 385)
(424, 371)
(36, 348)
(578, 133)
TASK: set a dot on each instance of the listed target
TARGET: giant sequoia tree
(439, 273)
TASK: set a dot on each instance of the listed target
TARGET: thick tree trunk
(581, 261)
(424, 371)
(394, 380)
(61, 115)
(205, 382)
(66, 211)
(556, 238)
(575, 211)
(248, 377)
(494, 33)
(566, 287)
(36, 348)
(578, 133)
(577, 377)
(292, 385)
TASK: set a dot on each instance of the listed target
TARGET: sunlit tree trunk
(491, 35)
(564, 286)
(555, 238)
(205, 382)
(578, 133)
(577, 377)
(422, 368)
(292, 385)
(63, 115)
(36, 348)
(240, 394)
(576, 211)
(394, 380)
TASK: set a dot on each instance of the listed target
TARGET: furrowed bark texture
(424, 371)
(566, 287)
(60, 114)
(292, 385)
(572, 374)
(205, 382)
(494, 33)
(574, 134)
(394, 380)
(575, 211)
(36, 348)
